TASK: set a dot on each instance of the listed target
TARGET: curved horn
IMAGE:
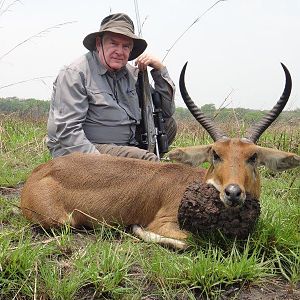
(206, 122)
(257, 130)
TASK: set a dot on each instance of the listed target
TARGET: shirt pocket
(100, 97)
(133, 103)
(131, 92)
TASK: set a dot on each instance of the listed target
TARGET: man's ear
(194, 155)
(277, 160)
(98, 43)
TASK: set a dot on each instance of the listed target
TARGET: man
(94, 105)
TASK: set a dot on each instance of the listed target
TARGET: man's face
(116, 49)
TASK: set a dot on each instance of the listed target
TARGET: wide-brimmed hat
(117, 23)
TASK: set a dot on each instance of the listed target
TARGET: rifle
(159, 122)
(152, 136)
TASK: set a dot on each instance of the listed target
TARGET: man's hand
(145, 60)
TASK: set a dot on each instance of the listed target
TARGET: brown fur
(113, 189)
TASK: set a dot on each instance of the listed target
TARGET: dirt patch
(201, 211)
(272, 290)
(11, 192)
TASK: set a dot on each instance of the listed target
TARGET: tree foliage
(24, 107)
(39, 108)
(241, 115)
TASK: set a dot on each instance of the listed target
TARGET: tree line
(246, 115)
(35, 108)
(24, 107)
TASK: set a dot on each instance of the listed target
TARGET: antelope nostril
(233, 191)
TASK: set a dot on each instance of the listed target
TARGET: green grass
(108, 263)
(22, 147)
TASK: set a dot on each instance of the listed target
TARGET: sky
(233, 51)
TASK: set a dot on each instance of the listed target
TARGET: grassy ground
(109, 263)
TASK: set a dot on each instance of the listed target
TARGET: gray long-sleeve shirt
(91, 105)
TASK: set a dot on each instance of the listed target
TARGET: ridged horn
(205, 121)
(254, 133)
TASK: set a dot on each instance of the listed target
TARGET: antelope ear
(193, 155)
(277, 160)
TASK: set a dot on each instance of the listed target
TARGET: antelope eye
(252, 159)
(216, 157)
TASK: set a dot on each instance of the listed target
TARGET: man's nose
(119, 49)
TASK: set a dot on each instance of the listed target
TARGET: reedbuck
(85, 189)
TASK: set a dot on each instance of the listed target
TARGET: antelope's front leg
(167, 235)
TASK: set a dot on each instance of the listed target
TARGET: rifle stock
(148, 131)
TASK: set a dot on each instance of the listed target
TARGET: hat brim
(139, 44)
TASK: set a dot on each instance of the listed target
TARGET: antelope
(85, 189)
